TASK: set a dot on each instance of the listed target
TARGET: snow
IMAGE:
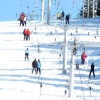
(16, 80)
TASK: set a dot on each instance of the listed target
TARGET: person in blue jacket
(39, 66)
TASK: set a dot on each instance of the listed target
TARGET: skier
(75, 46)
(24, 33)
(83, 56)
(22, 19)
(28, 34)
(92, 70)
(26, 54)
(62, 16)
(67, 19)
(34, 66)
(39, 66)
(25, 19)
(58, 16)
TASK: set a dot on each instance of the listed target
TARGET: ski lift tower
(71, 46)
(65, 47)
(42, 11)
(48, 12)
(65, 50)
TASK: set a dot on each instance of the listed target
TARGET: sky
(9, 9)
(16, 79)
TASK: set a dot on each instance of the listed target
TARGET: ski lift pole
(40, 91)
(65, 53)
(48, 11)
(65, 94)
(71, 77)
(42, 12)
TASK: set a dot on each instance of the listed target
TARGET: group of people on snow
(62, 16)
(36, 66)
(26, 33)
(83, 57)
(36, 63)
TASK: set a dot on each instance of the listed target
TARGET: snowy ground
(16, 80)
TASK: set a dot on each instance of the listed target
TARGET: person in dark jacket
(22, 19)
(62, 16)
(67, 19)
(34, 66)
(92, 70)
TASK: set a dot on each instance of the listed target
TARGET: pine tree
(86, 9)
(98, 8)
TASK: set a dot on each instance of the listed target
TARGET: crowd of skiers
(62, 17)
(83, 58)
(36, 63)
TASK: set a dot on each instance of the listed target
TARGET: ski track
(16, 80)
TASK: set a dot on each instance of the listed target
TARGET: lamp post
(83, 7)
(65, 53)
(93, 8)
(42, 10)
(48, 11)
(71, 82)
(88, 8)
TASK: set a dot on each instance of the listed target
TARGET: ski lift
(77, 66)
(73, 4)
(35, 3)
(27, 6)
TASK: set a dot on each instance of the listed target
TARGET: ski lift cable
(81, 84)
(90, 87)
(78, 10)
(28, 7)
(21, 3)
(20, 7)
(59, 4)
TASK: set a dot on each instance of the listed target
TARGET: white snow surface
(16, 79)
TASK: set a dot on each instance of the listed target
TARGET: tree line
(88, 7)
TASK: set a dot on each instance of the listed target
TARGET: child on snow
(26, 54)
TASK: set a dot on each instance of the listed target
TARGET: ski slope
(16, 80)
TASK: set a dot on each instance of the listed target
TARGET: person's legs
(24, 36)
(90, 74)
(33, 70)
(93, 73)
(25, 56)
(39, 71)
(68, 21)
(36, 70)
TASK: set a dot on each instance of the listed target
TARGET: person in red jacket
(24, 33)
(83, 56)
(28, 34)
(22, 19)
